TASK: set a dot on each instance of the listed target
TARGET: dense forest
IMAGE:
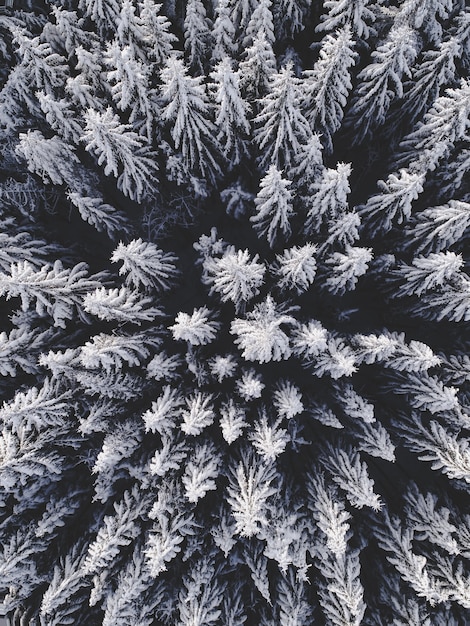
(235, 305)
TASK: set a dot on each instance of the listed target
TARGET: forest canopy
(235, 303)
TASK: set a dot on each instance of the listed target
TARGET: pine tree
(223, 33)
(273, 206)
(436, 69)
(351, 476)
(189, 113)
(425, 15)
(130, 31)
(258, 66)
(289, 17)
(52, 159)
(121, 304)
(248, 492)
(121, 150)
(358, 14)
(60, 117)
(261, 21)
(395, 203)
(297, 267)
(382, 81)
(329, 83)
(345, 268)
(197, 329)
(69, 29)
(411, 567)
(45, 68)
(130, 87)
(235, 276)
(260, 334)
(102, 12)
(328, 196)
(196, 34)
(56, 290)
(158, 36)
(145, 265)
(428, 273)
(231, 113)
(438, 227)
(280, 126)
(443, 125)
(102, 216)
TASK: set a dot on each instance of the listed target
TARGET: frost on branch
(169, 456)
(60, 117)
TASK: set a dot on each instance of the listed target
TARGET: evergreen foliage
(235, 302)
